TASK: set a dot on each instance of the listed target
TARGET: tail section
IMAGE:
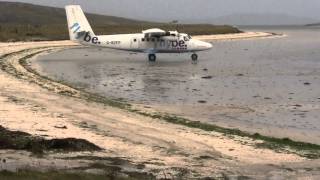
(78, 24)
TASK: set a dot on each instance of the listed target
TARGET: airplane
(150, 41)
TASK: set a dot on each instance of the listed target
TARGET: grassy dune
(12, 33)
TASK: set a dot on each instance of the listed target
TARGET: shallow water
(270, 86)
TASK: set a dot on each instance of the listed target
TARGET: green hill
(22, 13)
(25, 22)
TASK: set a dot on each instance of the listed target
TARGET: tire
(194, 57)
(152, 57)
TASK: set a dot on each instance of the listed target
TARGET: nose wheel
(152, 57)
(194, 57)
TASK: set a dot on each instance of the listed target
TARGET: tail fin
(78, 24)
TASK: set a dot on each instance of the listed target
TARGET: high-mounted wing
(155, 33)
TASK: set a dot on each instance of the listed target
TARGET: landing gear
(194, 57)
(152, 57)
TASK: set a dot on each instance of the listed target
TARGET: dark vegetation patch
(65, 175)
(27, 22)
(23, 141)
(101, 168)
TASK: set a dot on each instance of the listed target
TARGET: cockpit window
(189, 37)
(186, 38)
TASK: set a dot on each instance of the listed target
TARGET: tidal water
(268, 85)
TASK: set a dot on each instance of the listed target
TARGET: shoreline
(237, 36)
(113, 135)
(231, 36)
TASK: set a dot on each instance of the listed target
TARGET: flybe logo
(75, 27)
(86, 35)
(93, 40)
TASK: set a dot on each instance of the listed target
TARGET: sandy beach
(244, 35)
(163, 148)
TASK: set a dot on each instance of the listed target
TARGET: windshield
(186, 38)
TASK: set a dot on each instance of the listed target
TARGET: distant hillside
(28, 22)
(314, 24)
(262, 19)
(22, 13)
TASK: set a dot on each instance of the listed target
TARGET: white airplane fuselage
(151, 41)
(139, 43)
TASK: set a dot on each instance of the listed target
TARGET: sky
(184, 10)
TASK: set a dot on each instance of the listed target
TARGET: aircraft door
(135, 43)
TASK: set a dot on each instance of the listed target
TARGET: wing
(155, 33)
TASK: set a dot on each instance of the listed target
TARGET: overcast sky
(165, 10)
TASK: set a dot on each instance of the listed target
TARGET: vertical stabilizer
(78, 24)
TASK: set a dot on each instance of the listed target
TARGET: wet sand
(162, 148)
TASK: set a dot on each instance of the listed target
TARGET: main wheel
(194, 57)
(152, 57)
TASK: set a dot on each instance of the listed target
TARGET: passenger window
(142, 39)
(152, 39)
(148, 39)
(135, 40)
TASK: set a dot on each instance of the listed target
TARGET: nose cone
(203, 45)
(208, 45)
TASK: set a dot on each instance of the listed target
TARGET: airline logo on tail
(86, 35)
(94, 40)
(75, 27)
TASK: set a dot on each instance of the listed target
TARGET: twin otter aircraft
(151, 41)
